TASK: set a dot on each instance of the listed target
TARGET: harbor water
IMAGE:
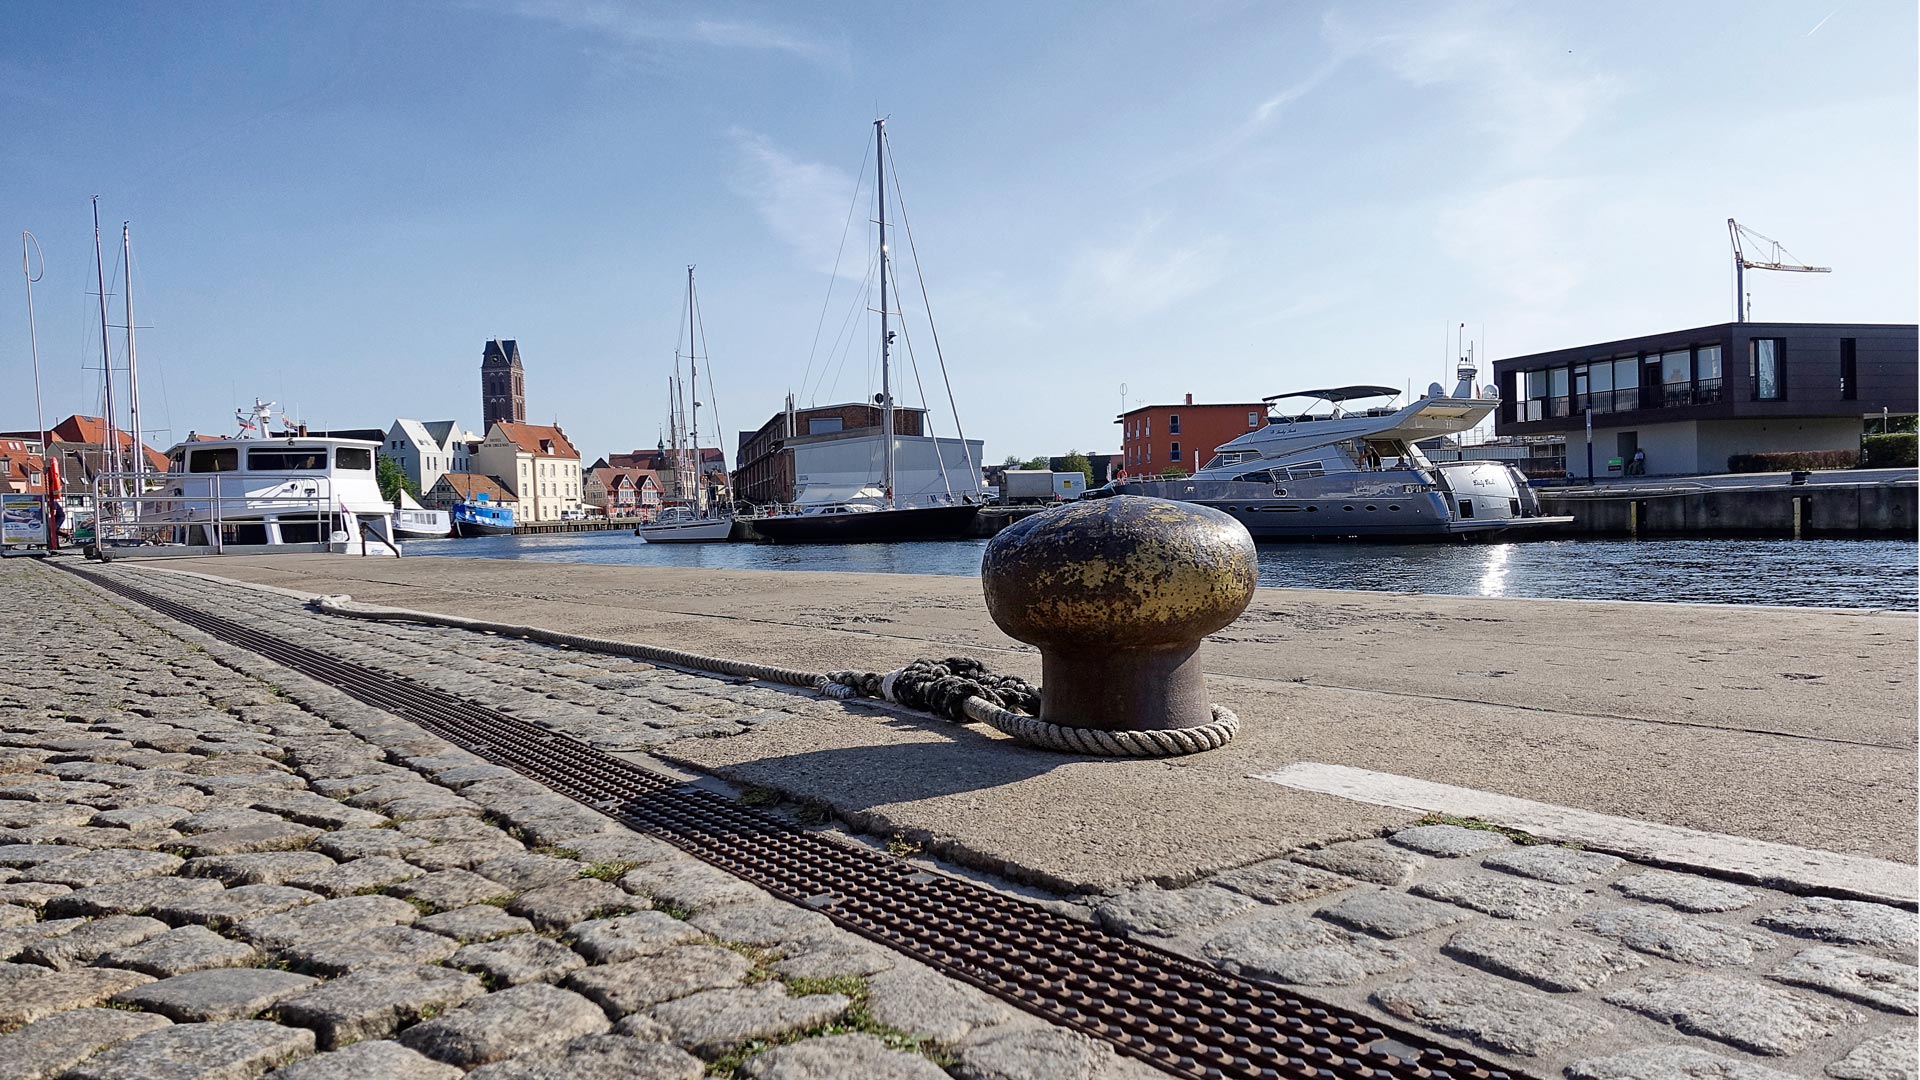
(1871, 574)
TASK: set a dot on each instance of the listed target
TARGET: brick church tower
(503, 384)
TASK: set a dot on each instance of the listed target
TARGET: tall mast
(693, 368)
(886, 335)
(138, 449)
(33, 341)
(110, 457)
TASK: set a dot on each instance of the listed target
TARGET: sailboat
(876, 515)
(692, 521)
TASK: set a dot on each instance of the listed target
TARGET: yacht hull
(878, 526)
(474, 528)
(687, 532)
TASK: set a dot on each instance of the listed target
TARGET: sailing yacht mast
(886, 335)
(138, 449)
(110, 454)
(693, 367)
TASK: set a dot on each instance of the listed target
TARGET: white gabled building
(536, 463)
(426, 450)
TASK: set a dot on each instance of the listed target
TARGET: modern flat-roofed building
(1690, 399)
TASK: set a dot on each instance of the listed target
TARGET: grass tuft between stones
(759, 796)
(606, 871)
(1520, 837)
(855, 1020)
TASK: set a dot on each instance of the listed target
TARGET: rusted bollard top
(1123, 572)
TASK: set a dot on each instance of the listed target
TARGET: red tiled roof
(468, 485)
(92, 431)
(529, 437)
(21, 470)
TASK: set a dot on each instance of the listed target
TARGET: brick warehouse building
(1692, 398)
(1157, 438)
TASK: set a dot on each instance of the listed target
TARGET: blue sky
(335, 205)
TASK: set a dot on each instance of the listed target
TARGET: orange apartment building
(1156, 439)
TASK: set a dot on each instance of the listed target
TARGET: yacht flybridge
(1354, 472)
(252, 495)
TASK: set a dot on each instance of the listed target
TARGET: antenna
(1777, 259)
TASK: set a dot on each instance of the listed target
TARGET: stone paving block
(764, 925)
(20, 815)
(221, 818)
(1281, 881)
(84, 944)
(33, 894)
(1739, 1012)
(1287, 948)
(1550, 862)
(1687, 892)
(259, 868)
(622, 846)
(249, 839)
(1884, 1057)
(14, 939)
(461, 854)
(1448, 841)
(643, 1027)
(139, 817)
(838, 956)
(326, 919)
(599, 1057)
(1547, 959)
(1669, 1063)
(46, 1048)
(1494, 1014)
(12, 915)
(231, 1050)
(632, 985)
(375, 1002)
(1392, 914)
(179, 951)
(1845, 922)
(481, 922)
(103, 867)
(864, 1056)
(916, 1000)
(319, 811)
(230, 907)
(1036, 1053)
(1503, 897)
(1688, 941)
(130, 897)
(358, 876)
(555, 907)
(215, 994)
(379, 1059)
(448, 889)
(689, 884)
(712, 1020)
(17, 855)
(366, 843)
(23, 1001)
(529, 871)
(521, 958)
(625, 937)
(506, 1023)
(384, 946)
(1368, 860)
(450, 830)
(1170, 912)
(1872, 980)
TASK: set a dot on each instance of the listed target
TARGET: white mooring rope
(956, 689)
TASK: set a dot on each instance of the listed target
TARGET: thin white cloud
(804, 203)
(1262, 117)
(1526, 89)
(1141, 274)
(1518, 238)
(634, 28)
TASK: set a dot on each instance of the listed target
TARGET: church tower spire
(503, 384)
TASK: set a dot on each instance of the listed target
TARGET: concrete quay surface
(1543, 959)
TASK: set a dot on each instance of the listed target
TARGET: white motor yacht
(1356, 473)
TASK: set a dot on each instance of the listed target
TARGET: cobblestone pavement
(1548, 960)
(212, 868)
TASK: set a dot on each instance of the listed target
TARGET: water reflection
(1817, 573)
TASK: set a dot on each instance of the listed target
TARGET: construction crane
(1777, 260)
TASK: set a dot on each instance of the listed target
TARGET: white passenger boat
(1355, 473)
(411, 521)
(251, 496)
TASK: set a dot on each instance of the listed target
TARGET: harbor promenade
(1591, 840)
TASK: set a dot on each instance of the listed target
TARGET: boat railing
(136, 509)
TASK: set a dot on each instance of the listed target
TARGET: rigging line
(839, 337)
(853, 312)
(926, 413)
(900, 200)
(33, 337)
(858, 184)
(713, 391)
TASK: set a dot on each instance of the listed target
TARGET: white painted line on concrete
(1795, 869)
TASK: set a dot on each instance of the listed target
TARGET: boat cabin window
(177, 461)
(219, 459)
(353, 457)
(284, 460)
(1258, 476)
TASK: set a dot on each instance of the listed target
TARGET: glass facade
(1768, 375)
(1668, 379)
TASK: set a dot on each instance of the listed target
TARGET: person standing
(1639, 462)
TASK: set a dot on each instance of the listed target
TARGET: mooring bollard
(1118, 594)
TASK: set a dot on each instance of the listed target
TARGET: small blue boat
(482, 518)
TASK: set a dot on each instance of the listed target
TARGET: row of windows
(309, 459)
(1142, 428)
(1694, 375)
(1135, 456)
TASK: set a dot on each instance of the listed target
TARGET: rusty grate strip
(1176, 1015)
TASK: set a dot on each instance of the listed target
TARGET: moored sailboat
(695, 520)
